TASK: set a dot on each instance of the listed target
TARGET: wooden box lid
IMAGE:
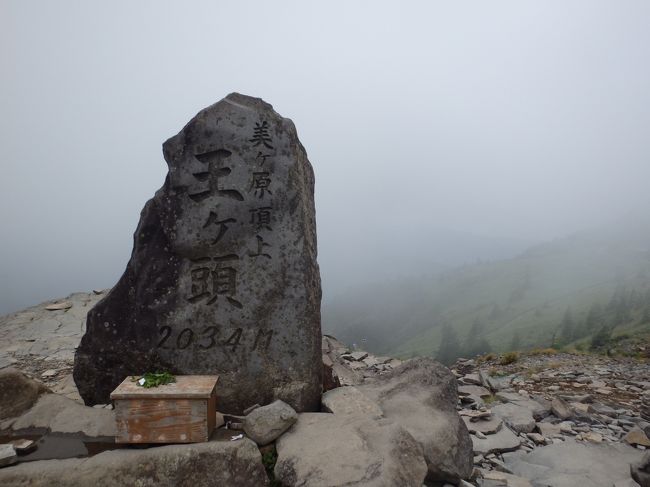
(185, 387)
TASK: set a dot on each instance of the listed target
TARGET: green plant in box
(154, 379)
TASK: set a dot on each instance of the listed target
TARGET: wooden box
(180, 412)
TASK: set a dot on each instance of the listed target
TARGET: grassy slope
(527, 295)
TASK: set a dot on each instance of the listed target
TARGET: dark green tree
(567, 328)
(449, 349)
(515, 344)
(475, 343)
(601, 338)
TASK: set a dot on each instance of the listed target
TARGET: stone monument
(223, 277)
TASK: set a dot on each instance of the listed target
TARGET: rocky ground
(556, 418)
(542, 420)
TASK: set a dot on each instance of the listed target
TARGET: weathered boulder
(18, 392)
(349, 400)
(62, 415)
(266, 423)
(330, 450)
(421, 396)
(197, 465)
(223, 276)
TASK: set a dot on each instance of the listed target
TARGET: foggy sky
(512, 122)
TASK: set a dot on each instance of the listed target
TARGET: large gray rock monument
(223, 276)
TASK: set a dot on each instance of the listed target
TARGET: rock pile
(550, 402)
(543, 420)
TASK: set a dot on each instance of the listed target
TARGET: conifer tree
(449, 346)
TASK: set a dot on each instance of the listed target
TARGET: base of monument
(181, 412)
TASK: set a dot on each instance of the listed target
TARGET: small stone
(7, 455)
(49, 373)
(24, 446)
(566, 427)
(593, 437)
(560, 408)
(549, 429)
(267, 423)
(537, 438)
(58, 306)
(357, 356)
(637, 436)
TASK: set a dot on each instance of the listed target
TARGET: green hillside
(541, 297)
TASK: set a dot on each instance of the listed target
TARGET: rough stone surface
(502, 441)
(328, 450)
(18, 392)
(63, 415)
(266, 423)
(7, 455)
(571, 463)
(223, 276)
(518, 418)
(198, 465)
(421, 395)
(349, 400)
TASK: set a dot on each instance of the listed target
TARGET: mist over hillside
(530, 300)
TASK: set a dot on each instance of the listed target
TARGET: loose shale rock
(421, 396)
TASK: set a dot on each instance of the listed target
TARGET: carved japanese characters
(223, 277)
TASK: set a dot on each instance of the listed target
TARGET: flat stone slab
(486, 426)
(473, 390)
(199, 464)
(519, 418)
(571, 463)
(506, 479)
(502, 441)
